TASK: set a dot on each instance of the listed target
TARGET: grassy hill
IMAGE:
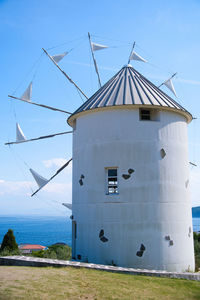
(71, 283)
(196, 212)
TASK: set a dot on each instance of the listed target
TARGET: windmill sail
(169, 84)
(135, 56)
(68, 205)
(28, 93)
(41, 181)
(20, 137)
(96, 47)
(58, 57)
(45, 181)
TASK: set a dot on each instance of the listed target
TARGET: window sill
(113, 194)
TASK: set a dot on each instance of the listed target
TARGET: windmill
(129, 174)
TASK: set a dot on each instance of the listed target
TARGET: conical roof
(128, 87)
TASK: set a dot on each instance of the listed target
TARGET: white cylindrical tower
(131, 205)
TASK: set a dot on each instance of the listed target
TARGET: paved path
(45, 262)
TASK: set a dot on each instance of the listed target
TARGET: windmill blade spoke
(191, 163)
(62, 168)
(39, 189)
(65, 74)
(41, 105)
(160, 85)
(57, 172)
(94, 47)
(131, 53)
(39, 138)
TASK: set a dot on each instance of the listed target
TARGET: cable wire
(27, 74)
(65, 43)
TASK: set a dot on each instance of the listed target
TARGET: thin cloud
(182, 80)
(54, 162)
(189, 81)
(89, 65)
(25, 188)
(15, 187)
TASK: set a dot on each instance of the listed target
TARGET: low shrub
(7, 252)
(62, 252)
(197, 250)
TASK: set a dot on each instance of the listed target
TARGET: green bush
(6, 252)
(55, 252)
(62, 251)
(9, 242)
(197, 250)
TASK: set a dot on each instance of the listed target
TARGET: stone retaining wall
(44, 262)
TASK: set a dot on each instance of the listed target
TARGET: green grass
(72, 283)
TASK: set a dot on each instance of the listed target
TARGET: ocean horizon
(45, 230)
(42, 230)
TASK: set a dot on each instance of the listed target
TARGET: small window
(145, 114)
(149, 115)
(112, 182)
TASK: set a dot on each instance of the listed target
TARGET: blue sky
(166, 34)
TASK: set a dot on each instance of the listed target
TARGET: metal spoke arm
(39, 138)
(94, 60)
(70, 80)
(191, 163)
(41, 105)
(131, 53)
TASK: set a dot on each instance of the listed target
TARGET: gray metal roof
(129, 87)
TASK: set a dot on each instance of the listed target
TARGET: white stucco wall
(152, 204)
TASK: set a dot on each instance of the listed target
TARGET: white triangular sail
(28, 93)
(68, 205)
(41, 181)
(96, 47)
(135, 56)
(45, 181)
(58, 57)
(169, 84)
(19, 134)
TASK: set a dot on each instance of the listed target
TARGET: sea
(196, 224)
(39, 230)
(45, 231)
